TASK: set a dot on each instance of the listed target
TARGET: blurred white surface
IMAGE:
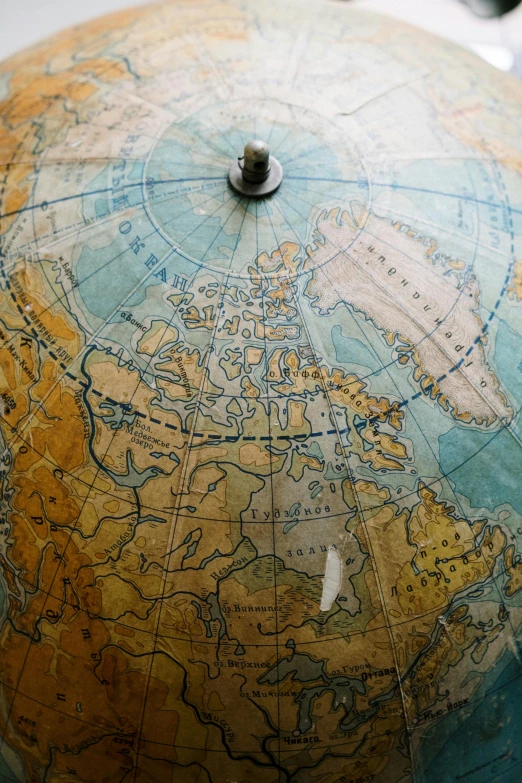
(498, 41)
(23, 22)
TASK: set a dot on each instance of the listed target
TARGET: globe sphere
(261, 512)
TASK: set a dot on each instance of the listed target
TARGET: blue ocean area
(484, 746)
(485, 466)
(6, 775)
(107, 276)
(349, 350)
(480, 465)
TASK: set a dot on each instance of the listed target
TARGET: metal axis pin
(256, 173)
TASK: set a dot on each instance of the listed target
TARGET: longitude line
(175, 516)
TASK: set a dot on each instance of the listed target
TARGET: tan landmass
(360, 259)
(514, 289)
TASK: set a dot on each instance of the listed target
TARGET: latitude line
(63, 298)
(498, 431)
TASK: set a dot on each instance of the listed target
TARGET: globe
(260, 386)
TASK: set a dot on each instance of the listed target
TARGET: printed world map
(205, 396)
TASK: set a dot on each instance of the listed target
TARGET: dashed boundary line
(267, 438)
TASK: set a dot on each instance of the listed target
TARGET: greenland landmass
(425, 309)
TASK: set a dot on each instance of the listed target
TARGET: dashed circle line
(261, 438)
